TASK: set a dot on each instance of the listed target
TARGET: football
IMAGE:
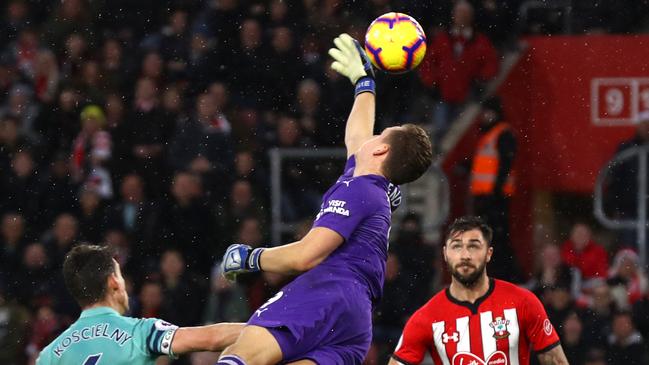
(395, 42)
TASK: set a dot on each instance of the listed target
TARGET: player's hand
(394, 194)
(240, 259)
(350, 59)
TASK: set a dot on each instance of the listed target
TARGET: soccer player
(102, 335)
(324, 316)
(478, 320)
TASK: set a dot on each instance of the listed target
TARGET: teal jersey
(101, 336)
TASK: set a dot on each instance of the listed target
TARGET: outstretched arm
(352, 62)
(293, 258)
(360, 123)
(553, 357)
(302, 255)
(214, 337)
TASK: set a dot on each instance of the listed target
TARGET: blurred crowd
(146, 125)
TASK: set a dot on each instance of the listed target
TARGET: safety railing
(639, 223)
(416, 196)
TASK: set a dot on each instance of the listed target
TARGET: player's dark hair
(468, 223)
(85, 270)
(411, 153)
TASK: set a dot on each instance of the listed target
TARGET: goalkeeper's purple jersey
(358, 209)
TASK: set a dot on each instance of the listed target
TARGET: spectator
(493, 185)
(300, 198)
(16, 18)
(250, 232)
(122, 248)
(242, 203)
(202, 142)
(625, 342)
(72, 16)
(226, 301)
(250, 64)
(573, 340)
(174, 42)
(22, 187)
(599, 313)
(60, 239)
(135, 216)
(91, 215)
(89, 82)
(11, 140)
(551, 271)
(152, 68)
(45, 80)
(120, 131)
(596, 356)
(559, 302)
(115, 69)
(173, 110)
(205, 63)
(416, 259)
(23, 51)
(285, 73)
(149, 300)
(60, 122)
(12, 243)
(189, 222)
(147, 127)
(14, 321)
(92, 150)
(316, 122)
(246, 167)
(44, 328)
(390, 315)
(75, 52)
(455, 60)
(584, 254)
(180, 289)
(249, 130)
(627, 273)
(38, 284)
(21, 106)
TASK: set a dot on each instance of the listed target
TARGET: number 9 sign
(612, 101)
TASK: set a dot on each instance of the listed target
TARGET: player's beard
(469, 280)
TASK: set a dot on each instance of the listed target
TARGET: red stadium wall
(547, 99)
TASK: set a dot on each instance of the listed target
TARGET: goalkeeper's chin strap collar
(365, 84)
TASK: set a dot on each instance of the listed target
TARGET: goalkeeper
(324, 315)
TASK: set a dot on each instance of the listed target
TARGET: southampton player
(478, 320)
(102, 335)
(324, 315)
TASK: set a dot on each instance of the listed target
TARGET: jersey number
(93, 359)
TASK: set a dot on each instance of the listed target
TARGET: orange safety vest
(485, 164)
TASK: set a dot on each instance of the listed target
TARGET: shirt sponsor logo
(467, 358)
(336, 207)
(547, 327)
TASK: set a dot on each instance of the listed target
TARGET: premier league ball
(395, 42)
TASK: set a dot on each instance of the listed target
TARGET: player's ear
(490, 251)
(381, 149)
(444, 253)
(113, 282)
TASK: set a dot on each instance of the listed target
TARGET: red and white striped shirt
(500, 328)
